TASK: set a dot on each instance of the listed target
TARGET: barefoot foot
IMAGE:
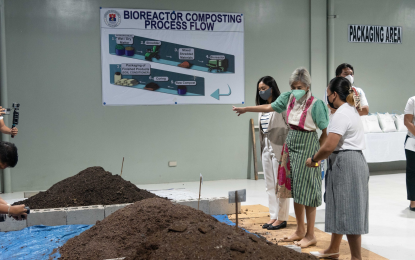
(292, 238)
(305, 242)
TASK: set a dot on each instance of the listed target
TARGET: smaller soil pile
(185, 64)
(152, 86)
(92, 186)
(158, 229)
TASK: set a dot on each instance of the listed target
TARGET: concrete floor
(391, 224)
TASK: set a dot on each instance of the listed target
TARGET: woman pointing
(305, 114)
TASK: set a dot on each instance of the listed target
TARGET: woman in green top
(305, 114)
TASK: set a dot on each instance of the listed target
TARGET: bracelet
(8, 211)
(312, 158)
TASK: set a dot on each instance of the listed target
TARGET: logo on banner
(112, 18)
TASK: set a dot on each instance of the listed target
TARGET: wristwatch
(312, 159)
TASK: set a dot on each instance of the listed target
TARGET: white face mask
(350, 78)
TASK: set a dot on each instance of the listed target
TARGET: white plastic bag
(399, 123)
(371, 124)
(386, 122)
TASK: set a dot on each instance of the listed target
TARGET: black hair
(270, 82)
(8, 154)
(343, 88)
(342, 66)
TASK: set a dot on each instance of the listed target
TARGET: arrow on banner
(217, 95)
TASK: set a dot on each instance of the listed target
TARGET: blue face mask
(265, 94)
(298, 93)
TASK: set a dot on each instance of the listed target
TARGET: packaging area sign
(158, 57)
(373, 33)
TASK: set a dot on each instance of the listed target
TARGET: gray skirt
(347, 193)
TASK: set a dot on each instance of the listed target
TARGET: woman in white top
(273, 132)
(347, 194)
(409, 120)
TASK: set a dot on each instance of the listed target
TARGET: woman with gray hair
(305, 114)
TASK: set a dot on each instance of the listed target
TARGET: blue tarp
(224, 219)
(38, 242)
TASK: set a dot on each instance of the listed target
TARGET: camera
(4, 216)
(6, 111)
(15, 106)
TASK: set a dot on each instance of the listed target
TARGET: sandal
(320, 255)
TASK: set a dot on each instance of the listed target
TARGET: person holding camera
(3, 128)
(18, 212)
(9, 158)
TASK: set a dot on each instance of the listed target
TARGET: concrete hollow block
(28, 194)
(220, 206)
(47, 217)
(203, 204)
(12, 225)
(87, 215)
(109, 209)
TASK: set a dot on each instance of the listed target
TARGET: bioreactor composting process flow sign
(162, 57)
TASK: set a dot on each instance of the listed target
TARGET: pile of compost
(158, 229)
(152, 86)
(92, 186)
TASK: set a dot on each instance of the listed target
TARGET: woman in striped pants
(305, 114)
(347, 194)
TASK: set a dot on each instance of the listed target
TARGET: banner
(373, 33)
(161, 57)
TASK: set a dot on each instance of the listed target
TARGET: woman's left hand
(310, 163)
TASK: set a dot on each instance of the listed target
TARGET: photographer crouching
(8, 158)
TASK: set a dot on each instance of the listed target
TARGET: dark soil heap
(92, 186)
(152, 86)
(158, 229)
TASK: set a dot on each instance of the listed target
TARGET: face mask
(298, 93)
(331, 103)
(350, 78)
(265, 94)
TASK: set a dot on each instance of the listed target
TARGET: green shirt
(319, 111)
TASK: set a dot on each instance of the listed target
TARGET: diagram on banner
(142, 76)
(141, 48)
(171, 57)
